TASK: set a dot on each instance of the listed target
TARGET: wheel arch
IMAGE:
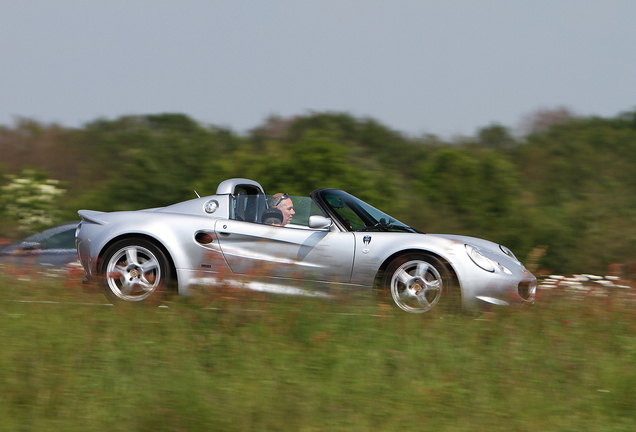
(380, 274)
(149, 238)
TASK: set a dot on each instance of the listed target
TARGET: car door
(286, 252)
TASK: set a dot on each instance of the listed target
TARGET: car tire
(134, 270)
(419, 283)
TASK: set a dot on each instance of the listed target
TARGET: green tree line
(563, 193)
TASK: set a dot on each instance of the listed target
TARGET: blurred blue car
(52, 248)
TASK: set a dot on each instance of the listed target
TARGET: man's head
(283, 202)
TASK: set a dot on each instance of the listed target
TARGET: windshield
(356, 215)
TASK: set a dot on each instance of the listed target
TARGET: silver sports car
(317, 245)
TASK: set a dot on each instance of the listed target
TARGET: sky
(444, 67)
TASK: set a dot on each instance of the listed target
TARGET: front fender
(373, 251)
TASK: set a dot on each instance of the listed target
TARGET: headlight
(508, 252)
(504, 269)
(479, 259)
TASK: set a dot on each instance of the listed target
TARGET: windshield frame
(379, 221)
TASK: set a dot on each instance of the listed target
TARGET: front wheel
(418, 283)
(133, 269)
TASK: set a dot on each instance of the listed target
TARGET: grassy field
(235, 361)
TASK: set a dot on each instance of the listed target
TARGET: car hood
(484, 245)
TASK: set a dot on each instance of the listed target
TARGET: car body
(335, 242)
(51, 248)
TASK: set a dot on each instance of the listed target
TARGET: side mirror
(319, 222)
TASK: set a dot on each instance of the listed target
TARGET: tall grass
(243, 361)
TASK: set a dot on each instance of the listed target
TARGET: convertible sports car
(334, 242)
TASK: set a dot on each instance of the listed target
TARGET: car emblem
(366, 239)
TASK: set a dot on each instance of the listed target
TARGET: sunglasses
(283, 197)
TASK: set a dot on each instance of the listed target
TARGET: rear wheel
(133, 270)
(419, 283)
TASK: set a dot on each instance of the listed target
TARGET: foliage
(315, 159)
(579, 175)
(565, 187)
(30, 200)
(480, 186)
(496, 136)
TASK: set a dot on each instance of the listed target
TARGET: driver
(283, 202)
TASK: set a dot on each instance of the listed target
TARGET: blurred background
(564, 191)
(510, 121)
